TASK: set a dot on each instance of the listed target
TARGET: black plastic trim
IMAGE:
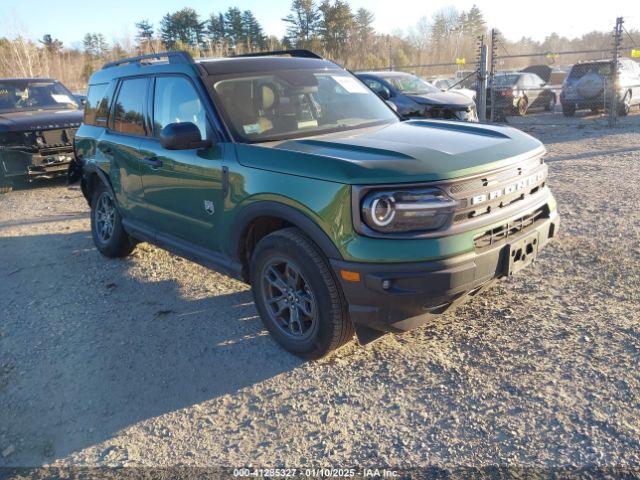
(183, 248)
(267, 208)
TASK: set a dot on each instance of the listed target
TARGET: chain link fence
(546, 87)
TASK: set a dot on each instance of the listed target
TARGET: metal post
(482, 80)
(492, 71)
(614, 93)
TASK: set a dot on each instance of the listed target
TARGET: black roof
(259, 64)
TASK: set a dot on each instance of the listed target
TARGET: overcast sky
(69, 20)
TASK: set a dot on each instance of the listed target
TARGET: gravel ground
(155, 361)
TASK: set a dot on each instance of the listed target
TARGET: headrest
(267, 96)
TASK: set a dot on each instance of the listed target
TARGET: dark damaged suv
(292, 175)
(38, 121)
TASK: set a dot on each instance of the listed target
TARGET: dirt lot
(154, 360)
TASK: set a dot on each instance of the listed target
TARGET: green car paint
(311, 175)
(209, 198)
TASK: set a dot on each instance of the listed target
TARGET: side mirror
(182, 136)
(384, 94)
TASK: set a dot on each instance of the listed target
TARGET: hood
(39, 120)
(453, 99)
(404, 152)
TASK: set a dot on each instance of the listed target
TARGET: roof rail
(294, 53)
(173, 57)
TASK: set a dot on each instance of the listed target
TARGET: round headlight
(380, 209)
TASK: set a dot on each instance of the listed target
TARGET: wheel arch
(263, 217)
(93, 174)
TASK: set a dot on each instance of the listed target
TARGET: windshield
(268, 106)
(19, 95)
(410, 84)
(506, 80)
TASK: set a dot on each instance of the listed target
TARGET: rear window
(581, 69)
(95, 97)
(128, 109)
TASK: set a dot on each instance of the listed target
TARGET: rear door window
(128, 113)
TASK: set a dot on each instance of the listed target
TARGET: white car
(445, 84)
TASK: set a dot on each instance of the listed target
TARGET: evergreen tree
(254, 37)
(145, 33)
(336, 26)
(52, 46)
(303, 23)
(234, 27)
(183, 26)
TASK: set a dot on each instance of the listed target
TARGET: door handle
(153, 162)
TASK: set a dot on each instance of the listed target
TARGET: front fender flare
(270, 208)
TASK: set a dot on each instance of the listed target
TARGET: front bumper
(17, 163)
(418, 291)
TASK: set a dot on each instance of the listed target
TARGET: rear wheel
(297, 296)
(522, 106)
(551, 104)
(568, 110)
(107, 231)
(625, 105)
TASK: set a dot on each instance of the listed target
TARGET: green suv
(288, 173)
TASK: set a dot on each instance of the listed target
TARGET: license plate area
(522, 253)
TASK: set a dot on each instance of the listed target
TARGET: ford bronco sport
(290, 174)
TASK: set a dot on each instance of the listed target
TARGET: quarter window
(128, 110)
(95, 97)
(176, 101)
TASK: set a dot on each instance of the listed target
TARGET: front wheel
(298, 298)
(107, 231)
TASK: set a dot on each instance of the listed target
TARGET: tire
(551, 105)
(568, 110)
(287, 269)
(107, 231)
(625, 105)
(521, 108)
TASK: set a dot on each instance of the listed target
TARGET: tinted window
(127, 114)
(94, 98)
(176, 101)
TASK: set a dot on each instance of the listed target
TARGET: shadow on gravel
(57, 181)
(90, 350)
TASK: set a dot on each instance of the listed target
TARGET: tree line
(329, 27)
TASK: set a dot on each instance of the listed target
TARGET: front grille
(55, 151)
(510, 228)
(56, 138)
(489, 193)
